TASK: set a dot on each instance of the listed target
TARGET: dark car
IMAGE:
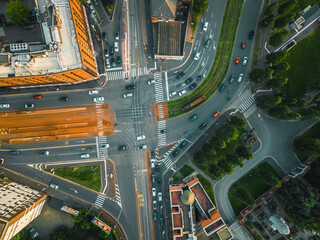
(104, 36)
(159, 180)
(130, 87)
(175, 153)
(194, 117)
(180, 75)
(189, 80)
(119, 60)
(222, 87)
(183, 144)
(113, 62)
(232, 78)
(162, 131)
(207, 44)
(193, 86)
(251, 34)
(155, 216)
(199, 77)
(106, 53)
(122, 148)
(95, 2)
(33, 233)
(64, 99)
(111, 51)
(157, 167)
(203, 125)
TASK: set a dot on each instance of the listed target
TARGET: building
(193, 213)
(19, 205)
(57, 50)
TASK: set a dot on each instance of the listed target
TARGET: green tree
(60, 234)
(214, 171)
(18, 12)
(225, 166)
(278, 37)
(280, 112)
(277, 57)
(277, 82)
(230, 133)
(283, 21)
(237, 121)
(287, 6)
(259, 75)
(244, 152)
(281, 67)
(234, 159)
(268, 101)
(221, 144)
(200, 7)
(266, 21)
(309, 113)
(269, 9)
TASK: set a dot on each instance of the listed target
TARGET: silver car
(240, 78)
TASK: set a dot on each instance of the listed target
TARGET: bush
(18, 12)
(278, 37)
(277, 57)
(287, 6)
(283, 21)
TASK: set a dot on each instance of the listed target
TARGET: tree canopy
(18, 12)
(200, 7)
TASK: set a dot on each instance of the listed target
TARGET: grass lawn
(251, 183)
(186, 170)
(221, 63)
(87, 176)
(208, 187)
(304, 60)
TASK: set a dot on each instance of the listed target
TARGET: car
(111, 51)
(182, 92)
(154, 204)
(189, 80)
(154, 192)
(29, 105)
(237, 60)
(203, 125)
(141, 137)
(162, 131)
(160, 196)
(85, 155)
(175, 153)
(113, 62)
(33, 233)
(36, 97)
(104, 36)
(95, 2)
(183, 144)
(119, 60)
(197, 56)
(93, 92)
(240, 78)
(116, 46)
(54, 186)
(159, 180)
(14, 152)
(130, 87)
(141, 147)
(216, 114)
(44, 152)
(117, 35)
(243, 45)
(245, 60)
(222, 87)
(152, 163)
(93, 12)
(108, 63)
(97, 36)
(181, 85)
(180, 75)
(4, 105)
(232, 78)
(205, 26)
(172, 94)
(155, 216)
(106, 53)
(193, 117)
(122, 148)
(1, 161)
(251, 34)
(151, 81)
(126, 95)
(98, 99)
(157, 167)
(199, 77)
(161, 221)
(64, 99)
(104, 146)
(153, 177)
(207, 44)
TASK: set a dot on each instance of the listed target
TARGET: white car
(182, 92)
(86, 155)
(104, 146)
(152, 163)
(141, 137)
(143, 146)
(125, 95)
(4, 105)
(98, 99)
(108, 63)
(92, 9)
(151, 81)
(116, 47)
(29, 105)
(197, 56)
(117, 35)
(245, 60)
(172, 94)
(154, 193)
(240, 78)
(205, 26)
(92, 92)
(54, 186)
(160, 196)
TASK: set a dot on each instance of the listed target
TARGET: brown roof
(202, 197)
(164, 8)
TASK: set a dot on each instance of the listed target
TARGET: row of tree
(223, 151)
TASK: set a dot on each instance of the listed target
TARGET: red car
(37, 97)
(216, 114)
(237, 60)
(243, 45)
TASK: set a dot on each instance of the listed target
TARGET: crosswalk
(158, 87)
(161, 136)
(100, 200)
(118, 198)
(246, 104)
(120, 74)
(102, 152)
(168, 162)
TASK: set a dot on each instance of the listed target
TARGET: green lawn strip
(183, 172)
(208, 187)
(252, 183)
(87, 176)
(221, 63)
(304, 61)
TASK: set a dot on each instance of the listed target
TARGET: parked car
(245, 60)
(197, 56)
(111, 51)
(155, 216)
(216, 114)
(240, 78)
(4, 105)
(182, 92)
(141, 137)
(205, 26)
(152, 163)
(160, 196)
(117, 35)
(154, 192)
(180, 75)
(130, 87)
(54, 186)
(116, 47)
(203, 125)
(14, 152)
(159, 180)
(232, 78)
(93, 92)
(193, 117)
(29, 105)
(108, 63)
(33, 233)
(222, 87)
(243, 45)
(113, 63)
(98, 99)
(251, 34)
(237, 60)
(151, 81)
(153, 177)
(37, 97)
(95, 2)
(122, 148)
(126, 95)
(106, 53)
(154, 204)
(119, 60)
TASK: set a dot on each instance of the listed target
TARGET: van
(27, 27)
(126, 95)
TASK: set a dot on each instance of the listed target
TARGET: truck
(193, 103)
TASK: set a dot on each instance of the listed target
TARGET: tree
(309, 113)
(60, 234)
(280, 112)
(225, 166)
(214, 171)
(283, 21)
(200, 7)
(286, 6)
(221, 144)
(277, 38)
(230, 133)
(265, 22)
(244, 152)
(18, 12)
(234, 159)
(277, 82)
(269, 9)
(237, 121)
(259, 75)
(281, 67)
(277, 57)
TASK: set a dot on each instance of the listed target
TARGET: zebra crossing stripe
(246, 104)
(168, 162)
(99, 201)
